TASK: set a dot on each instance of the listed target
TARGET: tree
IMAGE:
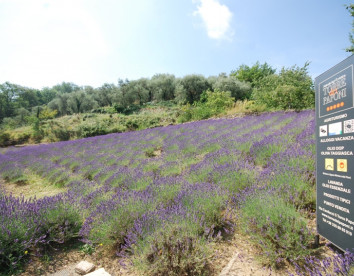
(66, 87)
(239, 90)
(253, 74)
(292, 88)
(189, 88)
(27, 98)
(104, 95)
(47, 94)
(350, 49)
(8, 95)
(140, 90)
(80, 102)
(61, 104)
(218, 101)
(163, 87)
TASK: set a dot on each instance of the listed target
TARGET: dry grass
(34, 187)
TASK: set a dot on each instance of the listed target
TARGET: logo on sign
(323, 130)
(349, 126)
(342, 165)
(329, 164)
(335, 93)
(335, 129)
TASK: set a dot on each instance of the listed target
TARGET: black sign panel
(334, 149)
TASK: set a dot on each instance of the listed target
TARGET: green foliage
(253, 74)
(103, 110)
(211, 104)
(218, 101)
(59, 224)
(10, 138)
(174, 251)
(291, 89)
(126, 110)
(299, 191)
(189, 88)
(87, 249)
(239, 90)
(276, 227)
(47, 113)
(163, 87)
(37, 130)
(4, 139)
(14, 248)
(62, 223)
(110, 230)
(90, 130)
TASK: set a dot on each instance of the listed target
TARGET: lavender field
(159, 198)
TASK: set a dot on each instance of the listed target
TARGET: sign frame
(335, 154)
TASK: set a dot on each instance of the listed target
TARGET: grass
(35, 186)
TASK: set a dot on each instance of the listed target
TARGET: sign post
(335, 154)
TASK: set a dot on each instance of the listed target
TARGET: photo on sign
(349, 126)
(342, 165)
(329, 164)
(335, 129)
(323, 130)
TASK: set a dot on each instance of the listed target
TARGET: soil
(236, 256)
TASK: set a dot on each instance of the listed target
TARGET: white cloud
(216, 18)
(46, 42)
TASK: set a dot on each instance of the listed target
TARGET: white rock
(84, 267)
(99, 272)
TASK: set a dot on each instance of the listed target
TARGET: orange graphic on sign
(342, 165)
(333, 107)
(333, 91)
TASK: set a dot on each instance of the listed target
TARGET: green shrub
(14, 244)
(112, 229)
(126, 110)
(61, 223)
(292, 88)
(5, 139)
(253, 74)
(210, 104)
(218, 101)
(174, 251)
(276, 227)
(295, 188)
(93, 129)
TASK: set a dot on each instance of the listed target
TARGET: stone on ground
(99, 272)
(84, 267)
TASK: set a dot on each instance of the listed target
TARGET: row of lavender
(159, 196)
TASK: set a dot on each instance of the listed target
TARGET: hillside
(164, 199)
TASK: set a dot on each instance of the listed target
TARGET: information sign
(334, 152)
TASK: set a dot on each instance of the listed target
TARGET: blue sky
(92, 42)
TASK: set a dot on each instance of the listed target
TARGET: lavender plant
(122, 189)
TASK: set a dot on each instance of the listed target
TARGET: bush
(27, 227)
(94, 129)
(210, 104)
(218, 101)
(126, 110)
(175, 251)
(276, 227)
(5, 139)
(254, 74)
(291, 89)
